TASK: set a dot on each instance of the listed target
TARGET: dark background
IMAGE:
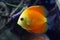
(9, 30)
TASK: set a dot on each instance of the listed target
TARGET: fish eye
(22, 19)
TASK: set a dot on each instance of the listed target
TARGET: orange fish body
(34, 19)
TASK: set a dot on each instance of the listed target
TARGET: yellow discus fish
(33, 19)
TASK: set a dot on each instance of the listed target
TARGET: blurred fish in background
(10, 11)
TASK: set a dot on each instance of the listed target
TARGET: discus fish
(33, 19)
